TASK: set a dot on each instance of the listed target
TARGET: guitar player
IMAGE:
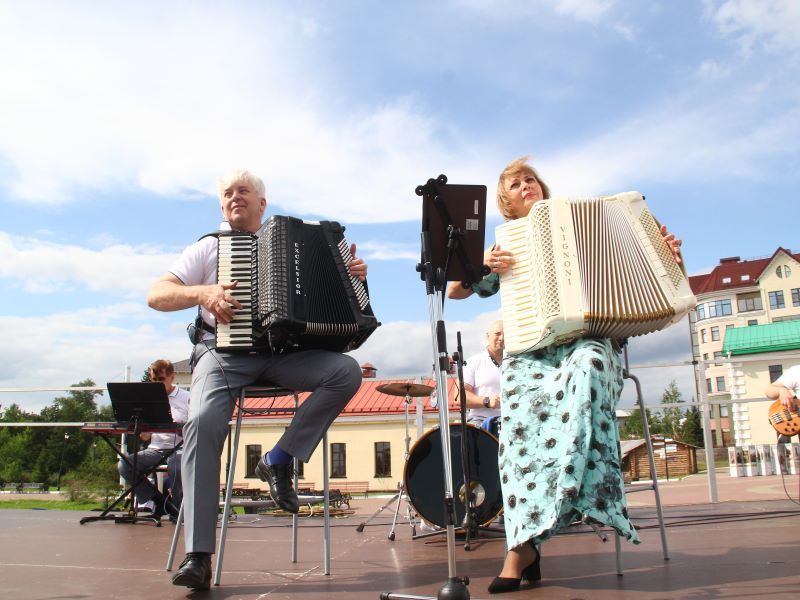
(785, 389)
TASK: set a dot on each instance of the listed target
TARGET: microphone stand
(469, 524)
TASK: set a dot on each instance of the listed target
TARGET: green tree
(41, 453)
(14, 414)
(692, 432)
(632, 428)
(672, 417)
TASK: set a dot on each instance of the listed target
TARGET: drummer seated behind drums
(482, 378)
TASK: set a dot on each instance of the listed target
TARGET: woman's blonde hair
(516, 168)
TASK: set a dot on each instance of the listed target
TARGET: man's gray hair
(237, 175)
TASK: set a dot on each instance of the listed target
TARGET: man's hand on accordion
(357, 267)
(219, 302)
(673, 243)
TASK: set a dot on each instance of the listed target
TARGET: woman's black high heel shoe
(531, 574)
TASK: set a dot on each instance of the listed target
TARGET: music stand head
(454, 215)
(143, 401)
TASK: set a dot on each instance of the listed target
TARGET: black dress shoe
(531, 574)
(279, 478)
(194, 572)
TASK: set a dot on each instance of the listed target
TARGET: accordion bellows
(596, 267)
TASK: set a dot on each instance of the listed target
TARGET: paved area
(745, 546)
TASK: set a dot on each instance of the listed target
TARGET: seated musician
(218, 378)
(161, 444)
(482, 378)
(559, 449)
(786, 389)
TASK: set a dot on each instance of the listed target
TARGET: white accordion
(596, 267)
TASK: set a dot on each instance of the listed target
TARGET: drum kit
(422, 486)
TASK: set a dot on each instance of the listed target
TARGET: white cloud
(710, 70)
(686, 139)
(579, 10)
(61, 349)
(382, 250)
(46, 267)
(582, 10)
(773, 24)
(167, 102)
(405, 348)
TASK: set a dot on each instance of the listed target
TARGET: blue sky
(116, 119)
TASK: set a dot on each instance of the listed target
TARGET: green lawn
(48, 504)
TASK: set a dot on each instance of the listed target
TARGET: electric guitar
(785, 421)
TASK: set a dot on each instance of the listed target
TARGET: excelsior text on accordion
(294, 287)
(594, 267)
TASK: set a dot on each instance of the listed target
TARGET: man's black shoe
(279, 478)
(194, 572)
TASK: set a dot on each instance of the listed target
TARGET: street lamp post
(61, 460)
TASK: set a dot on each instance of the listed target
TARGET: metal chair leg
(326, 502)
(228, 493)
(175, 536)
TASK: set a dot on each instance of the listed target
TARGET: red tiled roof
(367, 401)
(734, 268)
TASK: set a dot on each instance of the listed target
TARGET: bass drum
(424, 479)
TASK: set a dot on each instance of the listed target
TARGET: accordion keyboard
(234, 263)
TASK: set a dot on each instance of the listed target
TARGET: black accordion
(294, 288)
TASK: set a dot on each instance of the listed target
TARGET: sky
(116, 119)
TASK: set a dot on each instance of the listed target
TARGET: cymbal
(405, 389)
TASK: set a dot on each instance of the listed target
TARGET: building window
(723, 410)
(338, 460)
(715, 334)
(708, 385)
(726, 280)
(751, 322)
(301, 470)
(749, 303)
(729, 326)
(383, 459)
(786, 318)
(716, 356)
(721, 384)
(795, 296)
(709, 310)
(783, 271)
(775, 371)
(745, 278)
(776, 300)
(705, 356)
(703, 336)
(253, 455)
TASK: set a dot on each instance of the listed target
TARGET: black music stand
(455, 216)
(453, 225)
(138, 407)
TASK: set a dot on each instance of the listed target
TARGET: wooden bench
(34, 487)
(351, 487)
(242, 489)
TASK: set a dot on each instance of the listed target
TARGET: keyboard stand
(132, 515)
